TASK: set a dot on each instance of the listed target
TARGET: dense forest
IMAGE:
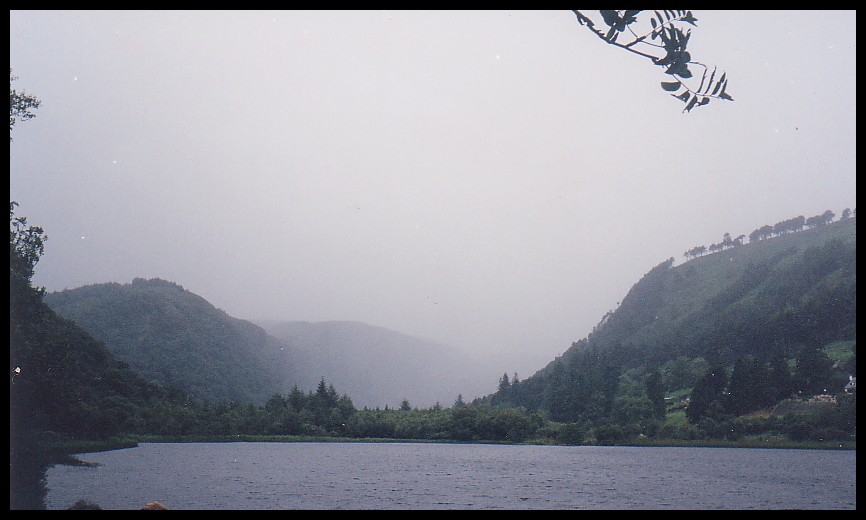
(722, 346)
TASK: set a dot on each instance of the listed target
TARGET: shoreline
(66, 451)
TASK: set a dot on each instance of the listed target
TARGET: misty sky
(494, 180)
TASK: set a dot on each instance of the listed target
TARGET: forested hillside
(762, 298)
(172, 336)
(737, 330)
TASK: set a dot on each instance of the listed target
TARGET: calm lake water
(455, 476)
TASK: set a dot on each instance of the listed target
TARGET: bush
(608, 433)
(570, 433)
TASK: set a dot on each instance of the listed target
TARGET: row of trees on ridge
(790, 225)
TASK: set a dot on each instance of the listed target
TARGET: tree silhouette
(707, 391)
(791, 225)
(748, 387)
(655, 391)
(20, 105)
(660, 37)
(26, 246)
(813, 370)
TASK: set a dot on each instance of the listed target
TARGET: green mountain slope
(766, 299)
(172, 336)
(779, 293)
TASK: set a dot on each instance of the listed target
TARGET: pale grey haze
(492, 180)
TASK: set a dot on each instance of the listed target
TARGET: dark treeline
(324, 413)
(591, 398)
(790, 225)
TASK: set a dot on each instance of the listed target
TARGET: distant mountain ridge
(172, 336)
(377, 366)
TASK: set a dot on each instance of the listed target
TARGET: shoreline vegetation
(67, 452)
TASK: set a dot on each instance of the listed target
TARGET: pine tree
(655, 391)
(813, 371)
(779, 382)
(707, 394)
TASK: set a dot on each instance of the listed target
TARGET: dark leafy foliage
(21, 105)
(663, 36)
(26, 245)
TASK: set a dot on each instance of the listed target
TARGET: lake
(455, 476)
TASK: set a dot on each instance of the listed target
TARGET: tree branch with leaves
(26, 243)
(20, 105)
(662, 37)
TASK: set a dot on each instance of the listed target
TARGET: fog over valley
(493, 181)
